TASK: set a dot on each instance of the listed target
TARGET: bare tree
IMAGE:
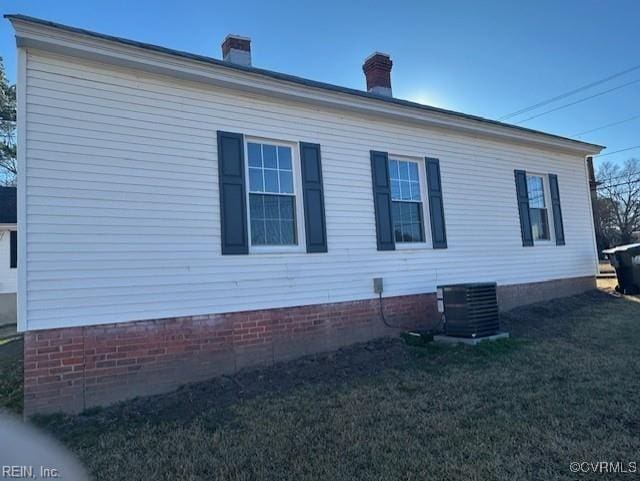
(619, 200)
(8, 167)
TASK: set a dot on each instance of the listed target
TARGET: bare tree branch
(619, 201)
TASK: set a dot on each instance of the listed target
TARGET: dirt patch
(358, 361)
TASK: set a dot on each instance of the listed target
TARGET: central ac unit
(470, 310)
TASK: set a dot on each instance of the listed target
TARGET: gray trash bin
(626, 261)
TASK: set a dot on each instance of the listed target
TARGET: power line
(623, 175)
(629, 183)
(617, 151)
(564, 106)
(605, 126)
(568, 94)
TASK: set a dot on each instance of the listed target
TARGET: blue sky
(481, 57)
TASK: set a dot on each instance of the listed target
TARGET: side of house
(8, 255)
(181, 218)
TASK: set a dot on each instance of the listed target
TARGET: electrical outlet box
(377, 285)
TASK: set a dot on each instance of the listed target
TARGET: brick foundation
(515, 295)
(70, 369)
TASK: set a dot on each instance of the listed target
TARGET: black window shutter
(313, 195)
(233, 209)
(13, 249)
(557, 211)
(436, 206)
(382, 200)
(522, 194)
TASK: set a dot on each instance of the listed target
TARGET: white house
(182, 216)
(8, 255)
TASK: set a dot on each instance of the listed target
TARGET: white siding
(8, 276)
(122, 209)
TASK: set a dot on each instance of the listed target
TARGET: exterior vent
(470, 310)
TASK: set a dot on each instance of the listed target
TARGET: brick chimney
(377, 70)
(237, 49)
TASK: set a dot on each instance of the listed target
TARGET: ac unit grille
(471, 310)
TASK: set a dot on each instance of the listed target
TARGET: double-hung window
(406, 201)
(272, 194)
(538, 207)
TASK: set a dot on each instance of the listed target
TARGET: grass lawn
(565, 388)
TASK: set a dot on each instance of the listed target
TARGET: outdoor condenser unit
(470, 310)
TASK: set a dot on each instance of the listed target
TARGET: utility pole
(593, 189)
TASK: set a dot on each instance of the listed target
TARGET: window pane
(393, 169)
(272, 219)
(286, 207)
(416, 234)
(405, 193)
(273, 232)
(255, 180)
(413, 171)
(284, 158)
(269, 156)
(407, 221)
(257, 232)
(539, 224)
(255, 156)
(395, 190)
(271, 181)
(288, 232)
(286, 182)
(415, 190)
(256, 206)
(271, 207)
(404, 170)
(535, 187)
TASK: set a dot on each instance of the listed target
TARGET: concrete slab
(471, 341)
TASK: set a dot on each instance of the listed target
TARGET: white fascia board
(42, 37)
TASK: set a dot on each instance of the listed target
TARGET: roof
(294, 79)
(8, 208)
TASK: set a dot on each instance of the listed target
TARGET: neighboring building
(182, 217)
(8, 255)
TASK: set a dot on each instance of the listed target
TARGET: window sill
(411, 246)
(296, 249)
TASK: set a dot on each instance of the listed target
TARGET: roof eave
(40, 34)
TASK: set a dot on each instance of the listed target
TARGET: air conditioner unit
(470, 310)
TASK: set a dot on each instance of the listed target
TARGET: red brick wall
(70, 369)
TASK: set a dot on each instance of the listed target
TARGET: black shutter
(557, 211)
(382, 200)
(233, 209)
(522, 194)
(436, 206)
(313, 195)
(13, 249)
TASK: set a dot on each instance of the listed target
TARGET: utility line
(579, 134)
(568, 94)
(617, 151)
(564, 106)
(629, 183)
(620, 176)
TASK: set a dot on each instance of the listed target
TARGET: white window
(273, 200)
(538, 207)
(406, 201)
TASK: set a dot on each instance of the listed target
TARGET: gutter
(57, 38)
